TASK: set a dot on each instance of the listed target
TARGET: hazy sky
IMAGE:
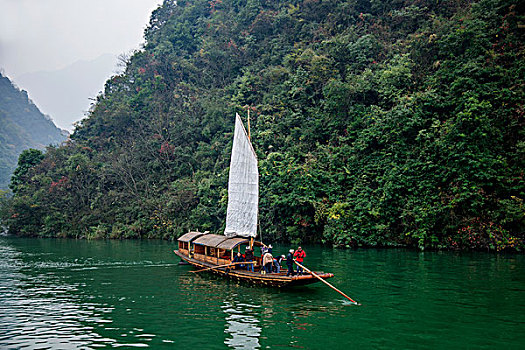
(38, 35)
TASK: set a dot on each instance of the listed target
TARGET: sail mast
(249, 136)
(250, 139)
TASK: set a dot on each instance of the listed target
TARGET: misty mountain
(65, 94)
(22, 126)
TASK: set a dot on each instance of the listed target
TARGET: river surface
(70, 294)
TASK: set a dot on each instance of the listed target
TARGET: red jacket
(299, 256)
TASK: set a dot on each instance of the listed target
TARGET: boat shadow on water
(211, 280)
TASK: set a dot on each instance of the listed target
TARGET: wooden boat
(211, 251)
(216, 252)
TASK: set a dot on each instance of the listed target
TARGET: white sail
(243, 186)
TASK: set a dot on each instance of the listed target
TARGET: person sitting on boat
(277, 263)
(299, 255)
(248, 257)
(238, 259)
(289, 263)
(268, 262)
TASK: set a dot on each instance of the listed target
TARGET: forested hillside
(22, 126)
(375, 123)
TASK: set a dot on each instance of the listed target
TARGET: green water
(89, 294)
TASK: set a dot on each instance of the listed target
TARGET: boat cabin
(214, 253)
(215, 249)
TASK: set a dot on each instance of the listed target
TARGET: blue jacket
(289, 259)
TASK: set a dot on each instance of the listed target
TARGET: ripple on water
(80, 294)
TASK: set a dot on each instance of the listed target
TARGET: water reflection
(242, 325)
(38, 311)
(87, 294)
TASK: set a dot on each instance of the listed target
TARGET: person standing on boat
(268, 262)
(289, 263)
(248, 257)
(238, 259)
(299, 256)
(277, 263)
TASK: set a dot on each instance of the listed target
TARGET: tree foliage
(375, 123)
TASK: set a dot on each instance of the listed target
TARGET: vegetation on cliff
(22, 126)
(375, 123)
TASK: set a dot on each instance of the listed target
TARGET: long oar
(328, 284)
(226, 265)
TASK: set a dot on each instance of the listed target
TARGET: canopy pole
(328, 284)
(259, 225)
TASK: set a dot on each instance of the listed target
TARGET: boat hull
(256, 278)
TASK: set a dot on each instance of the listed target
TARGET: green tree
(27, 160)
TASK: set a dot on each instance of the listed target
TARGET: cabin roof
(190, 236)
(222, 242)
(210, 240)
(231, 243)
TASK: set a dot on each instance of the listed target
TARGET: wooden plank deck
(273, 279)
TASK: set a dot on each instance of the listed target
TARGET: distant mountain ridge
(66, 93)
(22, 126)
